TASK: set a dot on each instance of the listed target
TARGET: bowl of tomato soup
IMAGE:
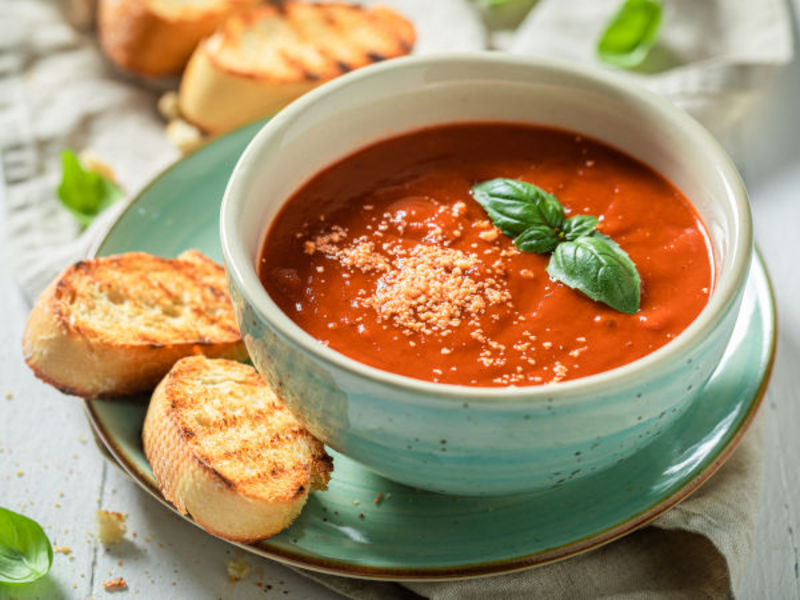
(483, 275)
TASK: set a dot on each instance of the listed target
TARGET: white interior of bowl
(402, 95)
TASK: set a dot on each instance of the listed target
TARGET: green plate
(412, 534)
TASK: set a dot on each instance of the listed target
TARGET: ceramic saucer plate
(414, 535)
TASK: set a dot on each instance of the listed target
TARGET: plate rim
(472, 570)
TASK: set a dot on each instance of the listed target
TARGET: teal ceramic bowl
(471, 440)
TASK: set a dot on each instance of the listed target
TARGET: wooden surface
(51, 470)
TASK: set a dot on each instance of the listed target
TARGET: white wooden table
(51, 470)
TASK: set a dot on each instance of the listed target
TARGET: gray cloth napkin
(713, 59)
(699, 549)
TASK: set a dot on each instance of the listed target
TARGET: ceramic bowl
(460, 439)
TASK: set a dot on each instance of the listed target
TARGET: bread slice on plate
(264, 57)
(156, 37)
(114, 326)
(225, 449)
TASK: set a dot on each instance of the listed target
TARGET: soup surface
(385, 257)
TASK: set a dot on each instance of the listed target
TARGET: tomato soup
(386, 257)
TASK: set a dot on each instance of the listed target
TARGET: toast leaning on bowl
(115, 326)
(263, 57)
(226, 450)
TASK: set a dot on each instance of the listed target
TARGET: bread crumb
(184, 136)
(238, 569)
(20, 473)
(378, 498)
(168, 105)
(9, 396)
(115, 585)
(111, 527)
(62, 549)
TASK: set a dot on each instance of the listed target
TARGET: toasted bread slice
(157, 37)
(264, 57)
(226, 450)
(114, 326)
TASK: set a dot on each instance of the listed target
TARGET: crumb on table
(111, 527)
(115, 585)
(238, 569)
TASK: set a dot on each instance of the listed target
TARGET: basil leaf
(599, 268)
(631, 34)
(83, 192)
(579, 226)
(514, 206)
(537, 239)
(25, 552)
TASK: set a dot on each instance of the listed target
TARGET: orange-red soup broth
(385, 257)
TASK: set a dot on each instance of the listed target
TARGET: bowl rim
(728, 284)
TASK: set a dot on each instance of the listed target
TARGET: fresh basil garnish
(631, 34)
(598, 267)
(514, 206)
(579, 226)
(582, 258)
(538, 239)
(25, 552)
(85, 193)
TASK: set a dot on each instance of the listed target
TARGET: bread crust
(225, 450)
(68, 346)
(229, 83)
(154, 38)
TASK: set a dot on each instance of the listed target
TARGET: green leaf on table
(582, 258)
(25, 552)
(631, 34)
(85, 193)
(599, 268)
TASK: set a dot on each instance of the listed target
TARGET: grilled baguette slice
(264, 57)
(157, 37)
(226, 450)
(114, 326)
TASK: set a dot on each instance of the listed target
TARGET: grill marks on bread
(115, 325)
(161, 301)
(217, 437)
(264, 57)
(296, 41)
